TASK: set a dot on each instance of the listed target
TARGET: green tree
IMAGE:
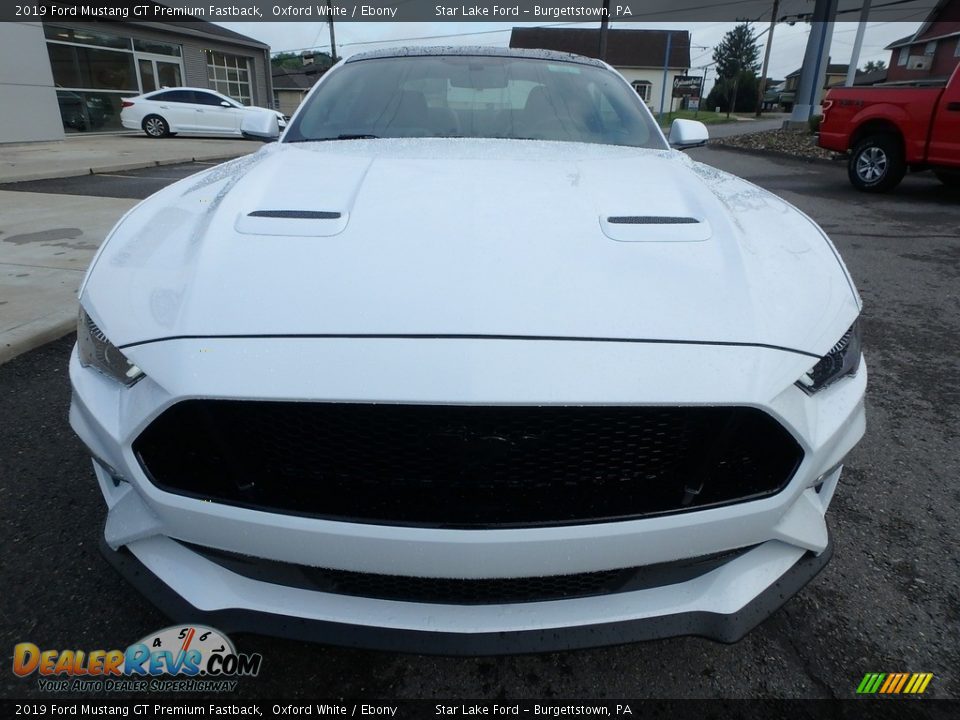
(737, 58)
(286, 60)
(874, 65)
(737, 52)
(294, 61)
(745, 87)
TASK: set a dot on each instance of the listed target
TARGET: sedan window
(203, 98)
(178, 96)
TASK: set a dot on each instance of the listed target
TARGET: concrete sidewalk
(47, 241)
(86, 154)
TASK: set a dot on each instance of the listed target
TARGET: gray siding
(28, 100)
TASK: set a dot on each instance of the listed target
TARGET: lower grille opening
(456, 466)
(450, 591)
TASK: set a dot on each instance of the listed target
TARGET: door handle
(953, 106)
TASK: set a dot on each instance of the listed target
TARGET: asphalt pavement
(889, 601)
(135, 184)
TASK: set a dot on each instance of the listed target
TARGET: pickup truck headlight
(842, 360)
(97, 352)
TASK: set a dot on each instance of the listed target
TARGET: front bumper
(146, 528)
(727, 628)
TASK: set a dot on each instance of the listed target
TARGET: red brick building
(933, 51)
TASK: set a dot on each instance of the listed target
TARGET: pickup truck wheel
(950, 178)
(877, 164)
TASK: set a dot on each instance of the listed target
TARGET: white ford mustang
(471, 361)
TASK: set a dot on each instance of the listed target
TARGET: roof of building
(906, 40)
(297, 79)
(873, 77)
(200, 28)
(625, 48)
(944, 10)
(832, 69)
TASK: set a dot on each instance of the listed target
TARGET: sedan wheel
(155, 126)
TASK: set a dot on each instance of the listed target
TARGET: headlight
(842, 360)
(98, 352)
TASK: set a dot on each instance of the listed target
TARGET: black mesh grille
(467, 591)
(466, 466)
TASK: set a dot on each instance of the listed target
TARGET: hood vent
(651, 220)
(292, 223)
(655, 228)
(296, 214)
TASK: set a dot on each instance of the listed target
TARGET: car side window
(178, 96)
(203, 98)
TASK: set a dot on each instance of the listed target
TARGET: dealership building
(59, 78)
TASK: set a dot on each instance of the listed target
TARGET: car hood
(470, 237)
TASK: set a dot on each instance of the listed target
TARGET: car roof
(476, 51)
(183, 87)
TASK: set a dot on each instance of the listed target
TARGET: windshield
(475, 97)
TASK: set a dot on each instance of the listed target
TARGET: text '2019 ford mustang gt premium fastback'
(471, 361)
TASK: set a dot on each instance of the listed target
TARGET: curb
(777, 154)
(118, 167)
(35, 333)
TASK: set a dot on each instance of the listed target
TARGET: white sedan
(474, 360)
(189, 110)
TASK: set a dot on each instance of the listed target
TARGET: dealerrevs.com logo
(180, 658)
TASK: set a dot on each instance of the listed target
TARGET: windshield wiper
(348, 136)
(345, 136)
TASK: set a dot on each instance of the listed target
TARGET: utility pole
(333, 39)
(604, 27)
(761, 89)
(857, 44)
(666, 69)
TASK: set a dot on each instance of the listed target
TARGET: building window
(956, 50)
(85, 37)
(931, 48)
(643, 88)
(75, 66)
(230, 75)
(157, 48)
(902, 58)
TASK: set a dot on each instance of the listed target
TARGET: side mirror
(260, 126)
(687, 134)
(224, 103)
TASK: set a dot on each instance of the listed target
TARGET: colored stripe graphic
(900, 682)
(891, 680)
(894, 683)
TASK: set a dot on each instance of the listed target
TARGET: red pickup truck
(889, 129)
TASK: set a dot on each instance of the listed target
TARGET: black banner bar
(148, 707)
(507, 11)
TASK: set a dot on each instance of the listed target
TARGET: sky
(789, 42)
